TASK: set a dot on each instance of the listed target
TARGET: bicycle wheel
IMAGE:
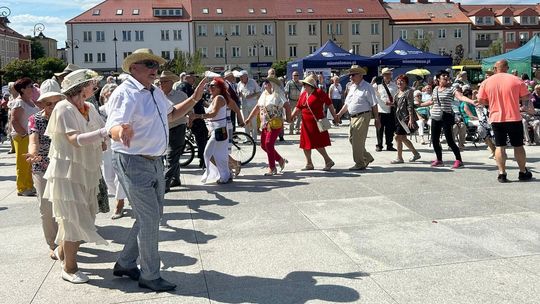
(188, 155)
(243, 147)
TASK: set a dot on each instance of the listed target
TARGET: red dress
(310, 137)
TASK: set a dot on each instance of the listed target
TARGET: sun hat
(356, 69)
(68, 69)
(243, 73)
(78, 77)
(169, 76)
(386, 71)
(273, 80)
(49, 94)
(141, 55)
(310, 80)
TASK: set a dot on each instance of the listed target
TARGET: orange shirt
(503, 92)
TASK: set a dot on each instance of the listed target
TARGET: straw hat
(78, 77)
(273, 80)
(70, 68)
(490, 71)
(169, 76)
(140, 55)
(49, 94)
(310, 80)
(356, 69)
(385, 71)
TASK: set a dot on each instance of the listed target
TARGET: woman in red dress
(310, 103)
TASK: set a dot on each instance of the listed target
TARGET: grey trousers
(144, 183)
(48, 223)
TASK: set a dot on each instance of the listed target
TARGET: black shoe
(525, 176)
(175, 183)
(391, 149)
(378, 148)
(167, 189)
(281, 138)
(156, 285)
(502, 178)
(133, 273)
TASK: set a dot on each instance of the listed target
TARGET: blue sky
(53, 14)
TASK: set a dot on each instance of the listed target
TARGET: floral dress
(37, 123)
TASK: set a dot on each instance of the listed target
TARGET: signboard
(260, 64)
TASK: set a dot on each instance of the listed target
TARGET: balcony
(483, 43)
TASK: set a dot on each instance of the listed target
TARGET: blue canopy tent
(404, 57)
(330, 55)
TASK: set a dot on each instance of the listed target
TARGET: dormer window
(298, 10)
(205, 11)
(488, 20)
(349, 10)
(507, 20)
(96, 12)
(119, 11)
(360, 10)
(219, 10)
(263, 11)
(310, 10)
(529, 20)
(136, 11)
(251, 11)
(172, 12)
(479, 20)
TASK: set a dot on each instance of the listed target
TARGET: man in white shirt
(139, 125)
(177, 131)
(249, 92)
(361, 103)
(385, 100)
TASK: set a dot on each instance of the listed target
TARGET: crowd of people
(76, 144)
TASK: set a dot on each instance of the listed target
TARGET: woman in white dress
(216, 154)
(77, 135)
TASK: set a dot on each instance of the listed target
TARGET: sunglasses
(50, 104)
(149, 64)
(212, 85)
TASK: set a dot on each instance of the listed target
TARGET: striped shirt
(442, 100)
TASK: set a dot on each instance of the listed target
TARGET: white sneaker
(75, 278)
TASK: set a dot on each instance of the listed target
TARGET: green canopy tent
(521, 59)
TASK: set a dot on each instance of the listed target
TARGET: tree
(458, 55)
(421, 43)
(280, 67)
(185, 62)
(494, 49)
(36, 48)
(17, 69)
(47, 66)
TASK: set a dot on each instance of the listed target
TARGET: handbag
(275, 123)
(221, 134)
(103, 196)
(323, 124)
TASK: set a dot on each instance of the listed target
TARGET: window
(219, 11)
(442, 33)
(263, 11)
(251, 11)
(218, 30)
(87, 36)
(403, 34)
(136, 11)
(165, 35)
(96, 12)
(338, 29)
(177, 34)
(292, 50)
(529, 20)
(220, 52)
(510, 37)
(292, 29)
(329, 29)
(251, 30)
(100, 36)
(479, 20)
(375, 28)
(268, 51)
(126, 54)
(442, 51)
(488, 20)
(236, 51)
(507, 20)
(349, 10)
(235, 30)
(523, 37)
(312, 48)
(139, 35)
(100, 57)
(356, 48)
(374, 48)
(88, 57)
(268, 29)
(420, 34)
(166, 55)
(205, 11)
(252, 51)
(201, 30)
(312, 29)
(298, 10)
(204, 52)
(310, 10)
(119, 12)
(126, 35)
(457, 33)
(356, 28)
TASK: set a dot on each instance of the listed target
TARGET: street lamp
(256, 45)
(226, 39)
(72, 44)
(4, 13)
(38, 27)
(115, 54)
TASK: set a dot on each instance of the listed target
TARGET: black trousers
(387, 129)
(177, 140)
(199, 130)
(447, 122)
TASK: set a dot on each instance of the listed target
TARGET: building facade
(12, 44)
(49, 45)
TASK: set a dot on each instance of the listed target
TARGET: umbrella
(418, 72)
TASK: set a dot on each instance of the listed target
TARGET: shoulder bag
(323, 124)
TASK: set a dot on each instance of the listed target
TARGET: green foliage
(37, 70)
(421, 43)
(494, 49)
(280, 67)
(48, 66)
(37, 50)
(458, 54)
(185, 62)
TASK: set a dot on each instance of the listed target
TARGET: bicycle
(243, 148)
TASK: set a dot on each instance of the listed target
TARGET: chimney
(405, 1)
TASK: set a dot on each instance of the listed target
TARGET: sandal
(271, 172)
(118, 214)
(397, 161)
(282, 164)
(308, 167)
(328, 166)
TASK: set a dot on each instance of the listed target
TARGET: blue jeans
(144, 183)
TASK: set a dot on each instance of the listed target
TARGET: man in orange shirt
(503, 92)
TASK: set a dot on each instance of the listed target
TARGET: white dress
(73, 174)
(216, 149)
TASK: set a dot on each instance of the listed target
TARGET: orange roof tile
(425, 13)
(500, 7)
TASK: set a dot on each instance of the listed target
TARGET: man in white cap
(177, 131)
(53, 84)
(385, 92)
(249, 92)
(361, 103)
(138, 124)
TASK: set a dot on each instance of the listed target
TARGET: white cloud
(31, 19)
